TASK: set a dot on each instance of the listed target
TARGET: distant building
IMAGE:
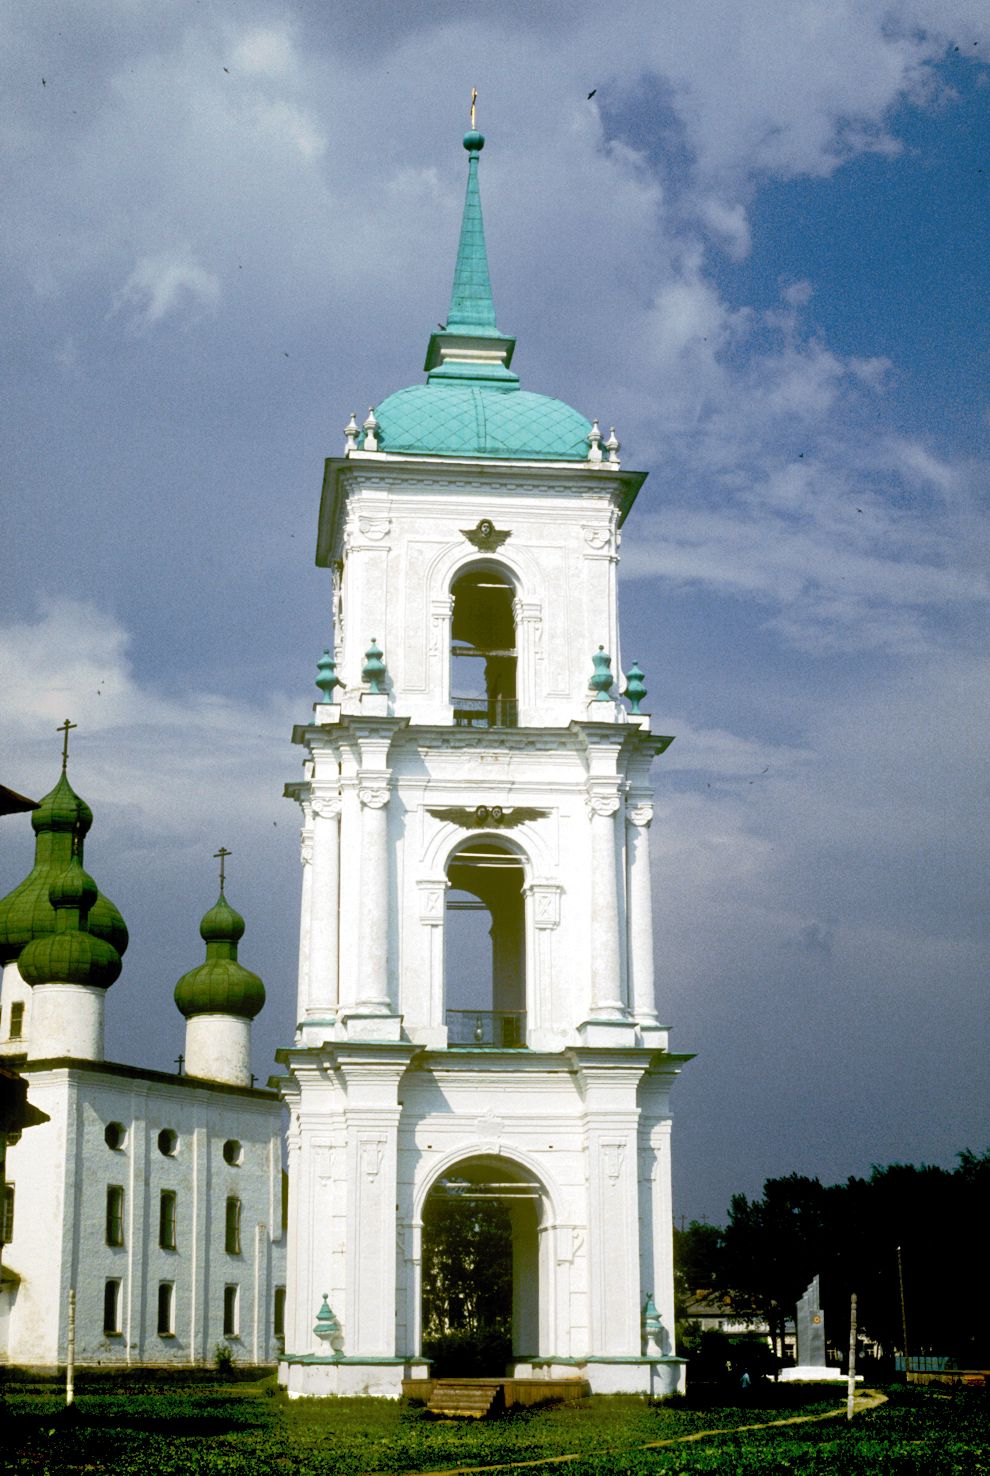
(156, 1196)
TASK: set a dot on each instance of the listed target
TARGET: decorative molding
(431, 901)
(326, 807)
(605, 805)
(613, 1155)
(640, 815)
(374, 528)
(486, 817)
(374, 798)
(597, 538)
(485, 537)
(546, 903)
(372, 1150)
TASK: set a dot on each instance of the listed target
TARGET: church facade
(473, 754)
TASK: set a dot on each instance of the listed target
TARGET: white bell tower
(472, 754)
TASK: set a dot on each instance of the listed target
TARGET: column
(374, 901)
(324, 940)
(606, 984)
(640, 904)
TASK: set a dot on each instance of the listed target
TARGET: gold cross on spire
(474, 99)
(221, 856)
(65, 729)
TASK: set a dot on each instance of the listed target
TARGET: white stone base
(656, 1377)
(316, 1378)
(807, 1373)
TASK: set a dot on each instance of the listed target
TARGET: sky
(759, 249)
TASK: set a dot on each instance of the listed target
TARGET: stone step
(467, 1398)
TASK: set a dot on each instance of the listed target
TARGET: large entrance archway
(480, 1268)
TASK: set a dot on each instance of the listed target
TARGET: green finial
(651, 1317)
(327, 1328)
(373, 670)
(635, 687)
(601, 677)
(326, 677)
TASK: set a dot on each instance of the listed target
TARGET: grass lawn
(247, 1428)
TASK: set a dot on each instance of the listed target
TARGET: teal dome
(460, 420)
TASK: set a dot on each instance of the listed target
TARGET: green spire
(472, 308)
(468, 349)
(221, 985)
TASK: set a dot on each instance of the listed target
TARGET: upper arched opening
(483, 649)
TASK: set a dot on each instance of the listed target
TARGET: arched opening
(485, 947)
(483, 651)
(480, 1287)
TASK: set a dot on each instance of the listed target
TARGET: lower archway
(480, 1268)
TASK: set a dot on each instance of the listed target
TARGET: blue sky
(759, 250)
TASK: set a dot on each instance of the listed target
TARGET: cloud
(169, 284)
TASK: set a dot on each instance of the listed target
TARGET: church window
(115, 1214)
(278, 1313)
(230, 1311)
(111, 1307)
(168, 1142)
(166, 1219)
(233, 1153)
(232, 1227)
(7, 1218)
(166, 1309)
(115, 1135)
(483, 651)
(17, 1019)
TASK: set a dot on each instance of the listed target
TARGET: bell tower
(471, 754)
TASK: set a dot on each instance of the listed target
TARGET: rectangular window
(232, 1228)
(7, 1217)
(115, 1215)
(230, 1309)
(166, 1220)
(111, 1307)
(278, 1316)
(166, 1309)
(17, 1019)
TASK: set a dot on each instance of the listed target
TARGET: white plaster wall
(14, 990)
(61, 1171)
(218, 1047)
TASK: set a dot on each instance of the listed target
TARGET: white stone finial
(612, 447)
(593, 438)
(370, 427)
(351, 434)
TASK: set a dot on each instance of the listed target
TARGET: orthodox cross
(180, 1061)
(221, 856)
(65, 728)
(474, 99)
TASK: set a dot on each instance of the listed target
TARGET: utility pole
(852, 1356)
(900, 1284)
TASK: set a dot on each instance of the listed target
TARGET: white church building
(149, 1201)
(473, 753)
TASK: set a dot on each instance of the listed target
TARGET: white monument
(473, 752)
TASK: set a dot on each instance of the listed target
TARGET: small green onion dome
(221, 985)
(71, 954)
(26, 913)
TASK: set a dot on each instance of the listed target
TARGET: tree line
(916, 1231)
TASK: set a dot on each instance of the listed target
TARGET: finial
(601, 677)
(635, 687)
(370, 427)
(351, 431)
(373, 670)
(221, 856)
(327, 677)
(474, 99)
(65, 729)
(593, 438)
(612, 447)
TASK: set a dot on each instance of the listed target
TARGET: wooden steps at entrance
(480, 1398)
(471, 1398)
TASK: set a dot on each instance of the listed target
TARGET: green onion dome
(221, 985)
(450, 419)
(71, 954)
(27, 913)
